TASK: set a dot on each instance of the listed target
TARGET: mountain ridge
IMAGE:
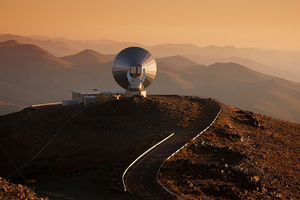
(87, 57)
(177, 60)
(236, 85)
(10, 43)
(55, 47)
(29, 55)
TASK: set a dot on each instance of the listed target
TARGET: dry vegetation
(101, 139)
(242, 156)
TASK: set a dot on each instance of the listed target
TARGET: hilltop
(30, 55)
(86, 58)
(99, 141)
(241, 155)
(175, 61)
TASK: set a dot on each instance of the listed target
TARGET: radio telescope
(134, 69)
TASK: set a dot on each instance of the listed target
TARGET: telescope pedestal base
(130, 93)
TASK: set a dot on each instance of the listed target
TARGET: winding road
(140, 179)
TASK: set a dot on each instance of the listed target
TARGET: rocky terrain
(12, 191)
(242, 156)
(99, 140)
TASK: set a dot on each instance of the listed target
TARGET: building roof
(89, 97)
(98, 91)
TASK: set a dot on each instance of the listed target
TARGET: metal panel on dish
(134, 64)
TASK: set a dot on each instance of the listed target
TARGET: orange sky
(267, 24)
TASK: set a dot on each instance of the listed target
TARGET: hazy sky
(268, 24)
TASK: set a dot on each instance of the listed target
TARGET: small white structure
(80, 95)
(88, 100)
(117, 96)
(69, 102)
(130, 93)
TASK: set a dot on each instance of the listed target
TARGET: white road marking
(185, 136)
(149, 193)
(160, 155)
(167, 150)
(153, 160)
(148, 166)
(179, 140)
(140, 178)
(192, 131)
(197, 128)
(142, 186)
(144, 171)
(173, 145)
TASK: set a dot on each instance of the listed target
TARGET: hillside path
(141, 177)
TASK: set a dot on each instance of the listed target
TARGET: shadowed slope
(100, 141)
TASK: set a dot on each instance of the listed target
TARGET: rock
(254, 179)
(242, 139)
(190, 184)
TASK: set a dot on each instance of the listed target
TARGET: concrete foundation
(130, 93)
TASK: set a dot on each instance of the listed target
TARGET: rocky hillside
(242, 156)
(12, 191)
(99, 140)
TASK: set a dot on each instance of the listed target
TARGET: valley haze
(40, 70)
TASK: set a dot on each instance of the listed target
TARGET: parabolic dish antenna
(134, 69)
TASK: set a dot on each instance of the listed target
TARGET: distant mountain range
(30, 74)
(54, 46)
(276, 63)
(235, 85)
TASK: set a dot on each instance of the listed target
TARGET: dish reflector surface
(133, 62)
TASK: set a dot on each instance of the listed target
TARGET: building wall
(78, 97)
(91, 100)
